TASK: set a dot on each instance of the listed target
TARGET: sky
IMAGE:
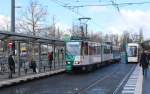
(105, 19)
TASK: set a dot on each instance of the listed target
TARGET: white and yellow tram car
(133, 52)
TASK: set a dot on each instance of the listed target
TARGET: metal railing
(3, 65)
(25, 66)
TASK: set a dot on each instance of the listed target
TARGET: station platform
(137, 83)
(146, 83)
(5, 81)
(134, 84)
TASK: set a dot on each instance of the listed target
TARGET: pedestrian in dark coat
(144, 62)
(33, 66)
(11, 64)
(50, 59)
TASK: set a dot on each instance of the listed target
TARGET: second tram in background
(133, 52)
(87, 55)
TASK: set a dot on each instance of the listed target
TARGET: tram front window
(73, 48)
(132, 51)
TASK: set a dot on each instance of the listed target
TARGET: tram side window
(86, 48)
(111, 50)
(106, 50)
(98, 50)
(92, 50)
(115, 51)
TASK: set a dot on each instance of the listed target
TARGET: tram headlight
(77, 62)
(68, 62)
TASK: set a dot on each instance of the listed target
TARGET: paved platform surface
(134, 84)
(146, 84)
(13, 81)
(5, 75)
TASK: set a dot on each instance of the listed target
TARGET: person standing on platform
(144, 62)
(11, 64)
(50, 59)
(26, 65)
(33, 65)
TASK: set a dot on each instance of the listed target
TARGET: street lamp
(13, 30)
(12, 15)
(13, 20)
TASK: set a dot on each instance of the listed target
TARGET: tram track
(123, 81)
(80, 91)
(102, 81)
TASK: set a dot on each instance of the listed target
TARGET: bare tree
(106, 38)
(32, 22)
(97, 36)
(5, 24)
(33, 18)
(114, 39)
(135, 37)
(58, 33)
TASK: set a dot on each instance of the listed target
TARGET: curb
(134, 83)
(24, 79)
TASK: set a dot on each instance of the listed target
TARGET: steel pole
(18, 55)
(12, 15)
(13, 21)
(39, 63)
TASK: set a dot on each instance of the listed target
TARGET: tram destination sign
(79, 38)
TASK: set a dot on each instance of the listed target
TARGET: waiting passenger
(144, 62)
(11, 64)
(50, 59)
(26, 64)
(33, 66)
